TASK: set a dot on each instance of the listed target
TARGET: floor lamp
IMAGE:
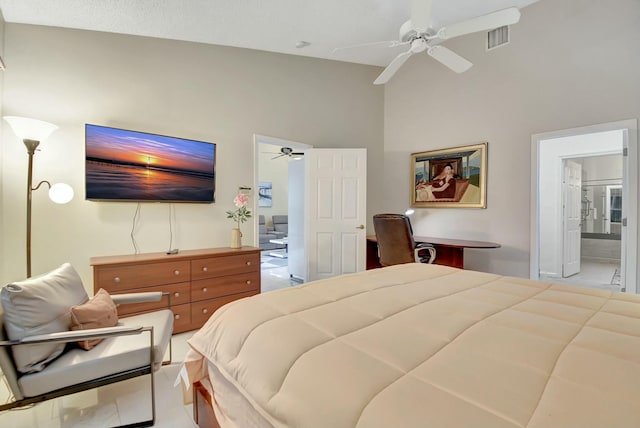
(32, 132)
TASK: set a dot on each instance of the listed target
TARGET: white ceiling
(269, 25)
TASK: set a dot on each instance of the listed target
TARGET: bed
(421, 345)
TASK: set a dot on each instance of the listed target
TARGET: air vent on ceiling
(498, 37)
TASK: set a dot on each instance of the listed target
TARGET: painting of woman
(443, 186)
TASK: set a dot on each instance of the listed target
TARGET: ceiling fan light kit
(418, 33)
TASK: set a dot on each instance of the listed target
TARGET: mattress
(420, 345)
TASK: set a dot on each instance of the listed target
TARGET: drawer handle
(177, 316)
(176, 294)
(248, 263)
(116, 279)
(176, 272)
(204, 289)
(248, 282)
(205, 269)
(205, 310)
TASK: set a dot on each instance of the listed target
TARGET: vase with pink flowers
(239, 215)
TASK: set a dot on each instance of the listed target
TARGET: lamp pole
(31, 149)
(31, 132)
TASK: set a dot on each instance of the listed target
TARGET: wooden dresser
(199, 281)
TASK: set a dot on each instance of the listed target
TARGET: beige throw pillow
(98, 312)
(40, 305)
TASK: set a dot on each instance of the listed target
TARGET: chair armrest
(125, 298)
(76, 335)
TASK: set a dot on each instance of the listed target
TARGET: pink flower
(242, 214)
(241, 200)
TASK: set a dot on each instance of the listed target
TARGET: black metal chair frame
(74, 336)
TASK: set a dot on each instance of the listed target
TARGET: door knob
(360, 227)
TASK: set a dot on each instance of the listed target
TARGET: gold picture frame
(450, 178)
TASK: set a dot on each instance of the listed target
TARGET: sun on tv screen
(123, 165)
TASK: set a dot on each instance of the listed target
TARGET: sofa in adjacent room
(267, 233)
(281, 225)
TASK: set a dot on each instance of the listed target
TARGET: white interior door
(335, 200)
(571, 190)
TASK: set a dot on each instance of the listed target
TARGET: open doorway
(272, 210)
(584, 206)
(598, 220)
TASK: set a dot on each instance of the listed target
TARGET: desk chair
(395, 241)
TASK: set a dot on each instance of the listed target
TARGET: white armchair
(121, 355)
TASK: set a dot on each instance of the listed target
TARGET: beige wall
(216, 94)
(276, 172)
(570, 63)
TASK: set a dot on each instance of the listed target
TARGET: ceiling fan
(285, 151)
(420, 36)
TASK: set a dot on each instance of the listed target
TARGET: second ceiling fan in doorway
(286, 151)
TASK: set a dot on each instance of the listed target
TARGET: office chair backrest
(395, 239)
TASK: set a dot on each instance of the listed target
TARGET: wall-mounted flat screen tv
(123, 165)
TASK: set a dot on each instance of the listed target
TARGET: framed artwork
(446, 178)
(264, 194)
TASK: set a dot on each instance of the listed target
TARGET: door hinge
(624, 222)
(625, 152)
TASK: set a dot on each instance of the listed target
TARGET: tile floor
(275, 274)
(593, 274)
(112, 405)
(129, 401)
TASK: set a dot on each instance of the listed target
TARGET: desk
(449, 252)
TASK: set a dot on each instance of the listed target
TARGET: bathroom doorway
(600, 218)
(600, 205)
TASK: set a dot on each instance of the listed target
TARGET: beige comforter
(430, 346)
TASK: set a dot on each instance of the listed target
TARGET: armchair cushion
(40, 305)
(112, 355)
(98, 312)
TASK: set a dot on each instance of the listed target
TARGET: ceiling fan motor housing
(408, 33)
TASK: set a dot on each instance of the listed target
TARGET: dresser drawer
(225, 285)
(227, 265)
(113, 278)
(181, 318)
(202, 310)
(180, 294)
(199, 281)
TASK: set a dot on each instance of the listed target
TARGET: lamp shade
(30, 129)
(61, 193)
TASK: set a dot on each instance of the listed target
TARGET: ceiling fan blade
(276, 157)
(391, 69)
(421, 15)
(449, 58)
(481, 23)
(388, 44)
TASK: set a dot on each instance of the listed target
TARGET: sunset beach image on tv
(123, 165)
